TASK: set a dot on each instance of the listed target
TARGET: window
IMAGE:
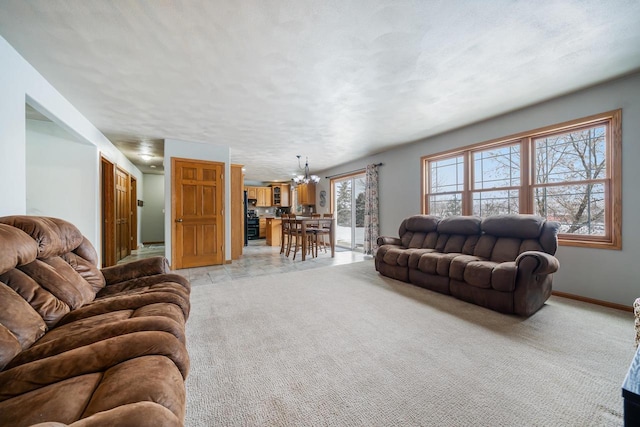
(569, 173)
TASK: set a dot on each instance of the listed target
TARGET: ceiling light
(152, 166)
(306, 178)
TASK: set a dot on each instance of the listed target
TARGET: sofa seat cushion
(396, 256)
(134, 299)
(153, 317)
(436, 262)
(52, 401)
(458, 265)
(414, 256)
(478, 273)
(145, 283)
(490, 275)
(142, 383)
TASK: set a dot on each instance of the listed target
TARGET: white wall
(62, 174)
(198, 151)
(20, 83)
(607, 275)
(152, 212)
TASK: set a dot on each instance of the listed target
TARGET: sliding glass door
(348, 203)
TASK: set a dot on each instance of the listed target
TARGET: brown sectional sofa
(82, 346)
(503, 262)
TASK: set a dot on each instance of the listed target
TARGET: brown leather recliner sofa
(82, 346)
(502, 262)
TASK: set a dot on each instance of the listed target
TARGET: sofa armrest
(133, 270)
(386, 240)
(538, 262)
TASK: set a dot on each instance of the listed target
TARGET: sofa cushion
(506, 249)
(86, 269)
(436, 263)
(59, 278)
(460, 225)
(422, 223)
(53, 236)
(414, 257)
(517, 225)
(392, 254)
(459, 263)
(455, 242)
(50, 308)
(503, 277)
(21, 320)
(417, 239)
(9, 346)
(484, 247)
(478, 273)
(16, 248)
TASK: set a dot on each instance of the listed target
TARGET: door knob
(179, 220)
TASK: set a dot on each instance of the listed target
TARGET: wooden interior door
(133, 217)
(108, 213)
(198, 214)
(123, 213)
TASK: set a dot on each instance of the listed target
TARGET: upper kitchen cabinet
(280, 195)
(262, 196)
(307, 194)
(252, 192)
(263, 199)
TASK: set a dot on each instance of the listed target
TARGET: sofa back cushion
(414, 230)
(507, 236)
(19, 323)
(47, 305)
(16, 248)
(66, 260)
(458, 234)
(54, 236)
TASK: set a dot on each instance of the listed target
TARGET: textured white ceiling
(333, 80)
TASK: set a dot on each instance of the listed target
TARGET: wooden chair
(295, 230)
(286, 235)
(323, 233)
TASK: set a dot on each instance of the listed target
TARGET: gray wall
(608, 275)
(152, 212)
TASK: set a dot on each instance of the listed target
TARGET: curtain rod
(350, 172)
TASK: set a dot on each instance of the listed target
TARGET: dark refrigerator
(245, 203)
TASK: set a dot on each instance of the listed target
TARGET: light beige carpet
(343, 346)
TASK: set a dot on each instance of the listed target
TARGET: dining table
(305, 221)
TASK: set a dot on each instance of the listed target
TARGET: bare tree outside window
(570, 173)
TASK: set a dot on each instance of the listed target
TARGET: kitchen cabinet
(263, 228)
(307, 194)
(280, 195)
(262, 196)
(252, 192)
(274, 231)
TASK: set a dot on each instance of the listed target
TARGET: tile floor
(257, 259)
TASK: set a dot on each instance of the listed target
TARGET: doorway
(348, 202)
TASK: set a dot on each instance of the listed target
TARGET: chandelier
(306, 178)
